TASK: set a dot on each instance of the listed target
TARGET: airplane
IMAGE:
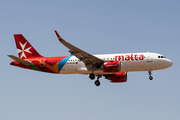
(113, 67)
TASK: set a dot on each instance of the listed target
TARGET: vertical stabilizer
(24, 48)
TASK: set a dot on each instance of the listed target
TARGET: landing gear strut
(150, 77)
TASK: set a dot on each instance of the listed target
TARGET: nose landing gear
(150, 77)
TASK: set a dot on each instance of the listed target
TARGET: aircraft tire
(97, 83)
(92, 76)
(150, 77)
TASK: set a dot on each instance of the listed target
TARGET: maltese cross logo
(22, 51)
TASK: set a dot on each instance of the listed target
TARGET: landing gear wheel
(150, 77)
(97, 83)
(92, 76)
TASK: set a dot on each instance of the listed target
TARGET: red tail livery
(24, 48)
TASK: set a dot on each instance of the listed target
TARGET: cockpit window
(161, 57)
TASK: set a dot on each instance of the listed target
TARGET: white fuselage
(131, 62)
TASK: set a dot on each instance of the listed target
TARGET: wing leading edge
(91, 62)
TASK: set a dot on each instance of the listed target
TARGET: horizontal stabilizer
(19, 60)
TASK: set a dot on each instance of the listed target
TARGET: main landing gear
(97, 82)
(150, 77)
(92, 77)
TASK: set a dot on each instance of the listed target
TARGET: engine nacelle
(118, 77)
(111, 66)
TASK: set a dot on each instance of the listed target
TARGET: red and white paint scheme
(113, 67)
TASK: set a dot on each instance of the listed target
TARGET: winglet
(58, 36)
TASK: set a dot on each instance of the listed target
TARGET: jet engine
(111, 66)
(118, 77)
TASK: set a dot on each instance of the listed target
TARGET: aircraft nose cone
(169, 63)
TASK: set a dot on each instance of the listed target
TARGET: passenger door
(149, 57)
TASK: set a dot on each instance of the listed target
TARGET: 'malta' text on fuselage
(129, 57)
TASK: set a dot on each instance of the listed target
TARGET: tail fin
(24, 48)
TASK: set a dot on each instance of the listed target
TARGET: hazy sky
(98, 27)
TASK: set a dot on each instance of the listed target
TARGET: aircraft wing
(19, 60)
(91, 62)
